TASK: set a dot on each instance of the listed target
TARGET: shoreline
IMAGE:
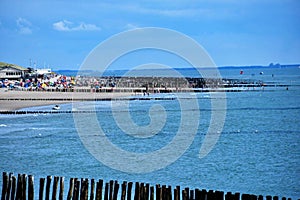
(15, 100)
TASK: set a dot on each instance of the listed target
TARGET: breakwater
(139, 84)
(53, 187)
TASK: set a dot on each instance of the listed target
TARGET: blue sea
(256, 152)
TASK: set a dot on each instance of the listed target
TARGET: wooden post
(19, 189)
(158, 192)
(237, 196)
(85, 189)
(13, 187)
(99, 190)
(137, 191)
(203, 194)
(111, 185)
(175, 194)
(141, 191)
(129, 190)
(71, 188)
(76, 189)
(5, 185)
(9, 186)
(164, 192)
(228, 196)
(123, 193)
(210, 194)
(48, 184)
(245, 197)
(41, 191)
(24, 180)
(80, 195)
(55, 185)
(147, 191)
(30, 187)
(92, 194)
(197, 194)
(219, 195)
(191, 195)
(169, 192)
(184, 195)
(268, 197)
(106, 191)
(187, 193)
(61, 188)
(151, 193)
(116, 190)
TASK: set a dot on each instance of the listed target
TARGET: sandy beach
(13, 100)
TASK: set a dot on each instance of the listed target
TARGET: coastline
(11, 100)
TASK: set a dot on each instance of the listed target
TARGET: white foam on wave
(3, 125)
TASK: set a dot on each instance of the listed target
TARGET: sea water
(257, 152)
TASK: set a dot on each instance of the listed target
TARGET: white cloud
(24, 26)
(131, 26)
(65, 25)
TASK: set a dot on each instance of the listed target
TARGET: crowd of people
(56, 81)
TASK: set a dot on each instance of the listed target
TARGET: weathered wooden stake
(24, 183)
(204, 194)
(71, 188)
(184, 195)
(219, 195)
(158, 192)
(106, 190)
(99, 190)
(268, 197)
(111, 185)
(13, 187)
(141, 191)
(137, 191)
(48, 185)
(61, 188)
(147, 190)
(152, 193)
(187, 193)
(55, 186)
(77, 190)
(116, 190)
(5, 185)
(92, 194)
(9, 186)
(191, 195)
(41, 190)
(237, 196)
(129, 190)
(210, 194)
(30, 187)
(123, 192)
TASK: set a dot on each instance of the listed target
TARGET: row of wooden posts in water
(22, 188)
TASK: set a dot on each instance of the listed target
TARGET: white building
(10, 71)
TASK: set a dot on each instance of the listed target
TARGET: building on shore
(11, 71)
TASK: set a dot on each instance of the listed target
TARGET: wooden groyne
(53, 187)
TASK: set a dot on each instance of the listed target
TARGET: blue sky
(60, 34)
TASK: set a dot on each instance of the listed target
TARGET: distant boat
(56, 107)
(241, 72)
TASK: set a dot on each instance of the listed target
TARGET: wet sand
(14, 100)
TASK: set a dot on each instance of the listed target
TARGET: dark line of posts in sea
(22, 187)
